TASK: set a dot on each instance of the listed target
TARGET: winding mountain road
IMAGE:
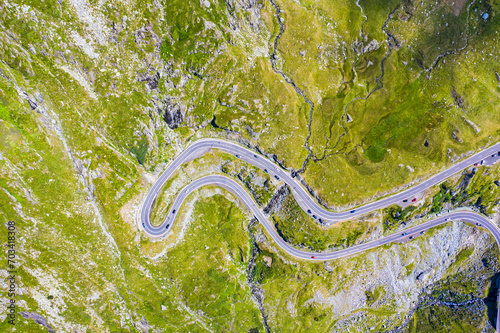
(304, 199)
(306, 202)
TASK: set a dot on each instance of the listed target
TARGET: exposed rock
(371, 46)
(37, 319)
(327, 267)
(252, 9)
(393, 41)
(145, 33)
(474, 126)
(268, 261)
(459, 100)
(143, 325)
(151, 80)
(466, 179)
(255, 287)
(455, 136)
(277, 199)
(172, 114)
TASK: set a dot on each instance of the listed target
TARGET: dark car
(320, 221)
(278, 178)
(403, 234)
(405, 200)
(144, 225)
(422, 232)
(314, 216)
(255, 156)
(309, 211)
(411, 237)
(237, 156)
(265, 170)
(353, 211)
(173, 212)
(168, 225)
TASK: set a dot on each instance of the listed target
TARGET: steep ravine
(257, 292)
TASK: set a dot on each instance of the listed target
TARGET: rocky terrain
(356, 99)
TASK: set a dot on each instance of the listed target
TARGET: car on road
(237, 156)
(309, 211)
(447, 219)
(476, 164)
(315, 217)
(353, 211)
(265, 170)
(411, 237)
(414, 199)
(405, 200)
(482, 162)
(320, 221)
(404, 234)
(168, 225)
(422, 232)
(173, 212)
(313, 257)
(144, 225)
(493, 155)
(255, 156)
(478, 224)
(278, 178)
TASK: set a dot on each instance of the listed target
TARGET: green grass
(69, 265)
(140, 151)
(256, 181)
(444, 319)
(463, 255)
(208, 268)
(374, 295)
(396, 215)
(299, 229)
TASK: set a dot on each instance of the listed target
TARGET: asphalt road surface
(303, 198)
(307, 203)
(235, 188)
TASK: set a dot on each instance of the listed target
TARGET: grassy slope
(111, 115)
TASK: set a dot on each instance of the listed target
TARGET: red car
(313, 257)
(415, 199)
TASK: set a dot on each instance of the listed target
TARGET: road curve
(235, 188)
(303, 198)
(306, 202)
